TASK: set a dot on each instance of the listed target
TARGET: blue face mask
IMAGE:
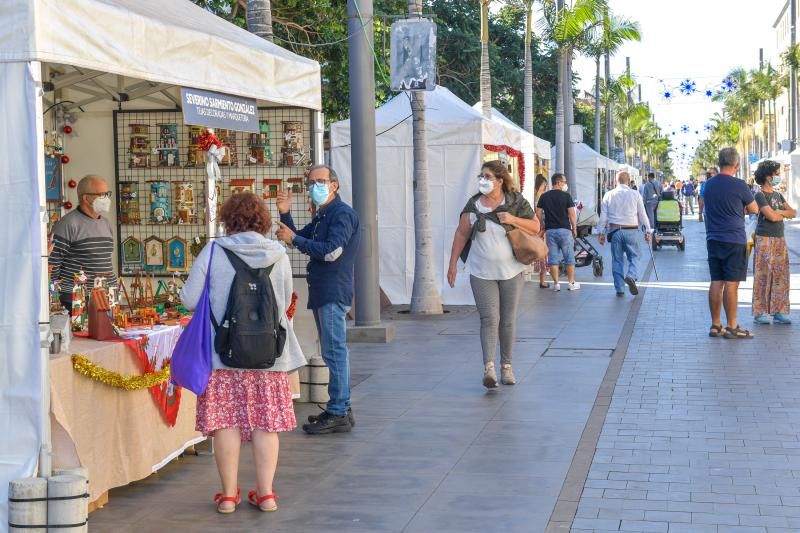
(319, 193)
(776, 180)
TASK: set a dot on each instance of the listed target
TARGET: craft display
(243, 185)
(159, 202)
(154, 255)
(260, 149)
(168, 145)
(198, 243)
(184, 203)
(52, 176)
(140, 146)
(176, 259)
(292, 151)
(228, 138)
(99, 311)
(132, 255)
(129, 202)
(297, 184)
(213, 152)
(272, 187)
(78, 312)
(195, 155)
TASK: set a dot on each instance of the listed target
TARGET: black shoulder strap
(236, 261)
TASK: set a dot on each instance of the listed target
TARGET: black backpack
(250, 335)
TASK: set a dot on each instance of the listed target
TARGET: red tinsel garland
(206, 139)
(513, 153)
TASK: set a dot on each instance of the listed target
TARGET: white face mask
(565, 187)
(101, 205)
(776, 180)
(485, 186)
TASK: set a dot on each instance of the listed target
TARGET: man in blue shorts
(556, 211)
(726, 201)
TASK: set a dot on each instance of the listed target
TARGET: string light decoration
(688, 87)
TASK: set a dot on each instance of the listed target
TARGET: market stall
(95, 87)
(458, 138)
(596, 174)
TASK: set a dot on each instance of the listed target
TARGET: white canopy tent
(95, 48)
(595, 175)
(456, 135)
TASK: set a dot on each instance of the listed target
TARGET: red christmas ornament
(67, 205)
(72, 184)
(67, 129)
(65, 159)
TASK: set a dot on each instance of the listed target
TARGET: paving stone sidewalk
(701, 434)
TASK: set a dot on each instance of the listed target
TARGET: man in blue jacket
(331, 242)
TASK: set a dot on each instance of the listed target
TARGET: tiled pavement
(701, 434)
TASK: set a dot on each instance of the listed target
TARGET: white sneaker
(556, 287)
(574, 286)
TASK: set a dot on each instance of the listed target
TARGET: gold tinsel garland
(83, 366)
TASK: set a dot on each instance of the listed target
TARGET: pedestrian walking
(557, 214)
(495, 275)
(622, 217)
(771, 261)
(242, 404)
(727, 200)
(539, 189)
(688, 197)
(710, 173)
(331, 241)
(651, 194)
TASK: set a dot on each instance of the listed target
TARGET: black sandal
(544, 285)
(737, 333)
(715, 331)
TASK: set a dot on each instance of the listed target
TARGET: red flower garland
(513, 153)
(206, 139)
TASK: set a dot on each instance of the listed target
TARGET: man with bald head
(622, 218)
(84, 239)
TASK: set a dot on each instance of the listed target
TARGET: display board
(161, 182)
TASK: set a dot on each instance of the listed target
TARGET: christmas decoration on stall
(176, 259)
(168, 145)
(260, 148)
(272, 187)
(213, 152)
(512, 152)
(159, 202)
(688, 87)
(132, 255)
(184, 203)
(129, 202)
(292, 151)
(83, 366)
(139, 150)
(154, 254)
(78, 313)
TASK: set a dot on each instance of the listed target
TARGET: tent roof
(181, 44)
(541, 146)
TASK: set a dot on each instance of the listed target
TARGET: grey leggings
(497, 302)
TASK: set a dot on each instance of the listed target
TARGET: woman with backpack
(481, 241)
(248, 397)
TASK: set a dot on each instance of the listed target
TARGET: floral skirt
(771, 276)
(248, 400)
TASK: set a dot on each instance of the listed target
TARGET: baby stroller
(585, 253)
(669, 223)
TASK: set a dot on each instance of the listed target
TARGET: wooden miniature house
(243, 185)
(272, 187)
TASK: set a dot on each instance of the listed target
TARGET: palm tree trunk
(528, 86)
(775, 124)
(597, 106)
(609, 116)
(425, 295)
(259, 18)
(569, 119)
(486, 75)
(559, 133)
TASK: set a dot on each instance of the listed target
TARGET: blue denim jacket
(331, 242)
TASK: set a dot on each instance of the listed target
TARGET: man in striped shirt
(83, 239)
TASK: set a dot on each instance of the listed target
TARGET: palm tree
(259, 18)
(528, 85)
(791, 62)
(425, 296)
(486, 75)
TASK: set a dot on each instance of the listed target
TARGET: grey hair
(728, 157)
(624, 177)
(331, 173)
(83, 185)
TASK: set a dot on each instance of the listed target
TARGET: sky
(699, 40)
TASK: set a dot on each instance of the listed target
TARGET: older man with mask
(331, 241)
(84, 239)
(622, 217)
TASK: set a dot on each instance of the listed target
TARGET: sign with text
(413, 55)
(218, 110)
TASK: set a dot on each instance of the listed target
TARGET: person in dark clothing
(556, 212)
(651, 194)
(727, 199)
(331, 241)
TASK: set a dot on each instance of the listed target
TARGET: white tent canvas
(593, 170)
(456, 135)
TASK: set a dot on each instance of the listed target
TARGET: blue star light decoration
(684, 129)
(729, 85)
(667, 95)
(709, 93)
(708, 128)
(688, 87)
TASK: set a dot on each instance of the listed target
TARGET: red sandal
(219, 498)
(257, 500)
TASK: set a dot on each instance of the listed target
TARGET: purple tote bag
(190, 366)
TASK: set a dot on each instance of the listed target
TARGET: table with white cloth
(121, 436)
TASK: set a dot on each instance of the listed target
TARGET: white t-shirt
(490, 256)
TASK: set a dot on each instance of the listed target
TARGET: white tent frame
(96, 45)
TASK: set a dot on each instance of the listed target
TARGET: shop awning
(174, 43)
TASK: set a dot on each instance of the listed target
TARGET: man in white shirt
(622, 218)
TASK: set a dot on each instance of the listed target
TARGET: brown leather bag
(527, 248)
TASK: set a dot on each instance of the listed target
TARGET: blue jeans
(332, 328)
(560, 245)
(625, 242)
